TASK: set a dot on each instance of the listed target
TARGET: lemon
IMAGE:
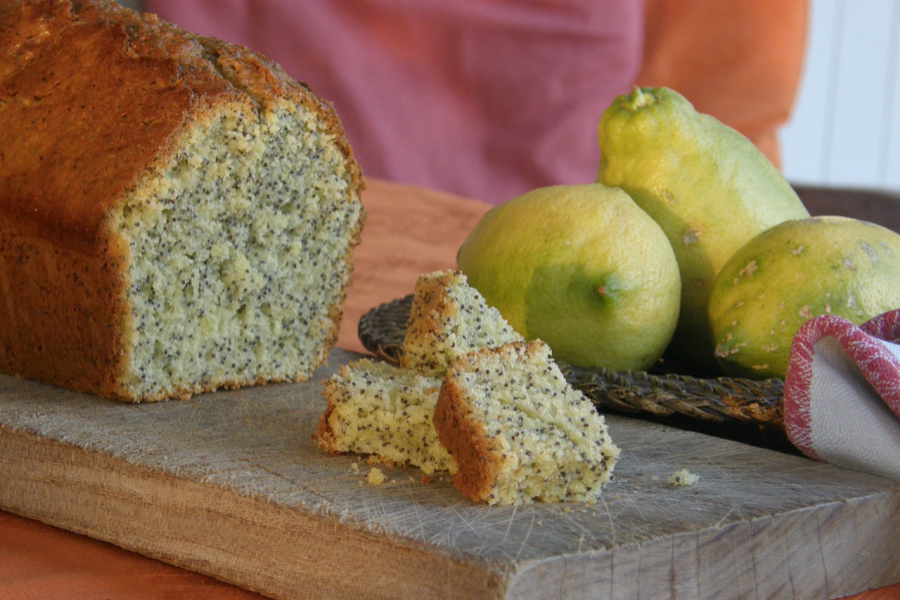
(707, 186)
(793, 272)
(581, 267)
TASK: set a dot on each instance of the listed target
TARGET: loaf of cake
(378, 409)
(176, 214)
(518, 432)
(449, 318)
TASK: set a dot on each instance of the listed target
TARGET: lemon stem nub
(601, 290)
(638, 99)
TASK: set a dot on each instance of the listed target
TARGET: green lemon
(581, 267)
(793, 272)
(706, 185)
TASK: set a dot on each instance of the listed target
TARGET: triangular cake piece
(518, 432)
(449, 318)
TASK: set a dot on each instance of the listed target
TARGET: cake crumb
(683, 478)
(375, 476)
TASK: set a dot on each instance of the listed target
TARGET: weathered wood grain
(230, 484)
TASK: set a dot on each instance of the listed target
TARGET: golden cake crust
(84, 135)
(324, 435)
(95, 99)
(464, 438)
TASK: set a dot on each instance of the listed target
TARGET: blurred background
(845, 127)
(844, 130)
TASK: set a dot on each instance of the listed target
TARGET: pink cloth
(482, 98)
(842, 393)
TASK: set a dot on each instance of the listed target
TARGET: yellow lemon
(581, 267)
(793, 272)
(707, 186)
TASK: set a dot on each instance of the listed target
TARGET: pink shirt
(482, 98)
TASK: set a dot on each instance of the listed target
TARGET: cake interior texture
(238, 252)
(448, 318)
(519, 432)
(378, 409)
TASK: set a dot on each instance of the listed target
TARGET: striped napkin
(842, 393)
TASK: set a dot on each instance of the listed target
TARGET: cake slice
(518, 432)
(449, 318)
(176, 214)
(378, 409)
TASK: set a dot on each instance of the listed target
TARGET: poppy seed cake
(518, 432)
(449, 318)
(176, 214)
(378, 409)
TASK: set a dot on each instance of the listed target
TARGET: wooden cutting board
(230, 484)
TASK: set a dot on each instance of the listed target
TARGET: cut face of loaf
(449, 318)
(239, 254)
(176, 215)
(377, 409)
(518, 432)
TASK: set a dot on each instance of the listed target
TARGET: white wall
(845, 128)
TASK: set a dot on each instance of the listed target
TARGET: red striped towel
(842, 393)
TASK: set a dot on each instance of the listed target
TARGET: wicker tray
(740, 409)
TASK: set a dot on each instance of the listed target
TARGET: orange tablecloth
(409, 231)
